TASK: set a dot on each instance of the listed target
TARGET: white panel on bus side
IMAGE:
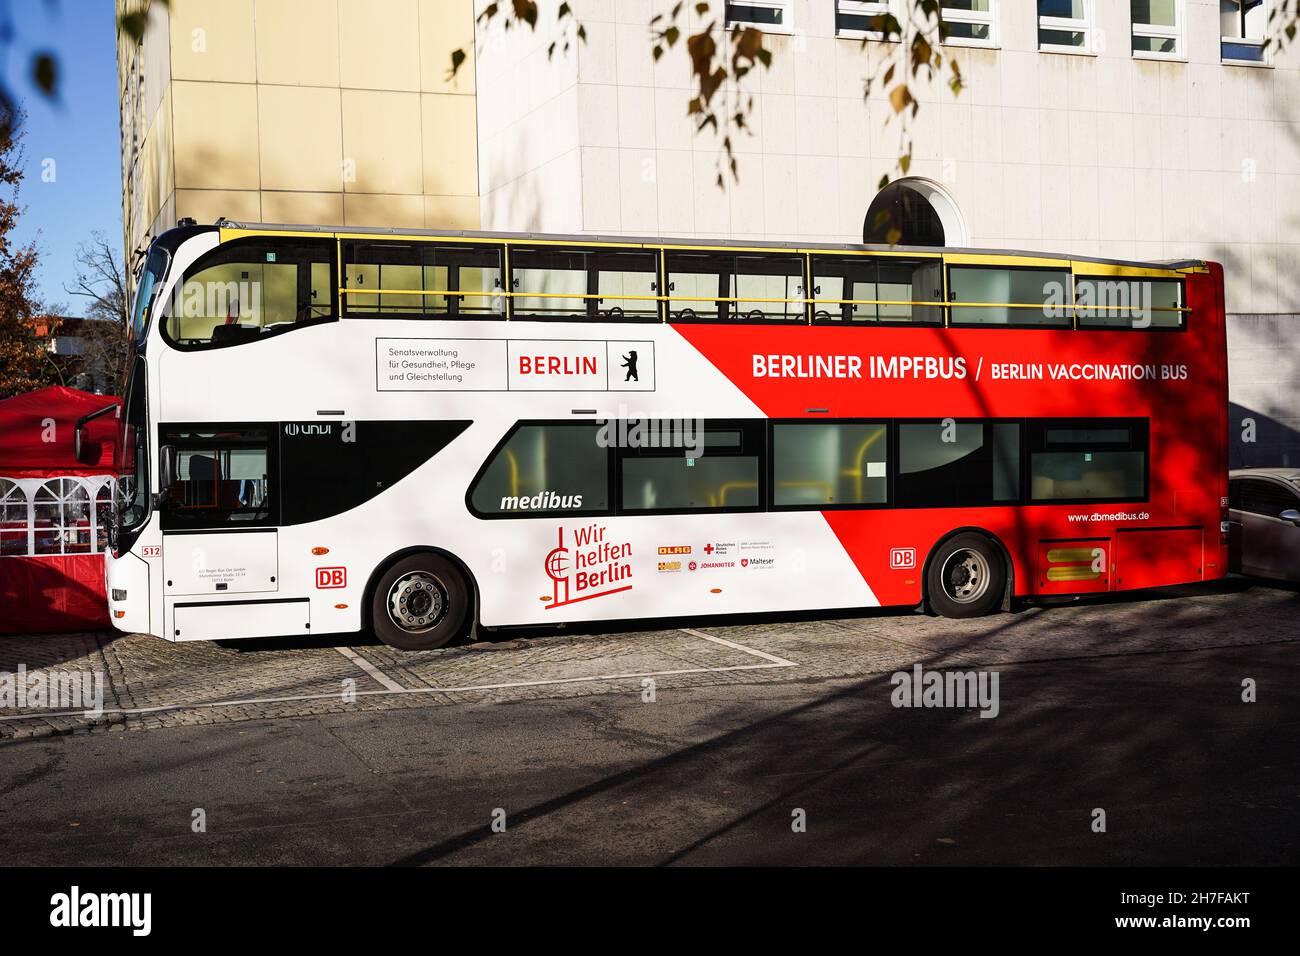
(213, 621)
(243, 562)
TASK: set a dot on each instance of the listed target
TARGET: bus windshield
(131, 503)
(150, 282)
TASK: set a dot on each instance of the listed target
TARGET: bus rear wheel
(420, 603)
(966, 577)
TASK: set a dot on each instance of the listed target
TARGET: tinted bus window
(422, 280)
(248, 288)
(1117, 302)
(217, 476)
(818, 464)
(1088, 461)
(946, 463)
(860, 289)
(1015, 297)
(721, 472)
(545, 469)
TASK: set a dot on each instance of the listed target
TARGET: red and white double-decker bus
(332, 429)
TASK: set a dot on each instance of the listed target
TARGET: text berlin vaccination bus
(328, 430)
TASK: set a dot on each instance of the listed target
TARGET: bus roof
(1170, 264)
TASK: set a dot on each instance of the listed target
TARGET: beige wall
(1093, 155)
(315, 111)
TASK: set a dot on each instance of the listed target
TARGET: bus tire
(966, 577)
(420, 603)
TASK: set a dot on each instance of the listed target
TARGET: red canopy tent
(54, 511)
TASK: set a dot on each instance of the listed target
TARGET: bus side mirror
(87, 452)
(1292, 516)
(166, 467)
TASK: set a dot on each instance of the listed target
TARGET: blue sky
(79, 133)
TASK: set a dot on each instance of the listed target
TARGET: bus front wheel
(420, 603)
(966, 577)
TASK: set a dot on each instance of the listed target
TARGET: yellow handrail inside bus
(800, 301)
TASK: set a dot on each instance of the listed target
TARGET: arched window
(15, 519)
(62, 512)
(913, 212)
(103, 514)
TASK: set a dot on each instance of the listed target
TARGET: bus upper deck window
(730, 287)
(1124, 302)
(418, 280)
(877, 290)
(248, 288)
(1027, 296)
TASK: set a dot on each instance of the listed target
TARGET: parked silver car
(1264, 522)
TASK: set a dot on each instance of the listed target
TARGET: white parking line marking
(392, 688)
(374, 672)
(776, 661)
(162, 708)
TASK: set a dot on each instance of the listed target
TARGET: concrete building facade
(1143, 129)
(335, 111)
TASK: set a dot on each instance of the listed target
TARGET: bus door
(220, 551)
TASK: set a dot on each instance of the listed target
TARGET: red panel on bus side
(1149, 559)
(1075, 566)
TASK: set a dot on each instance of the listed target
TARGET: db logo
(331, 577)
(902, 557)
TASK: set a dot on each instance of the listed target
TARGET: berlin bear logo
(629, 363)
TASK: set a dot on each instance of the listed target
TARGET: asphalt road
(1161, 741)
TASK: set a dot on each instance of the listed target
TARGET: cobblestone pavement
(151, 683)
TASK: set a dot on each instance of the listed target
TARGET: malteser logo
(594, 568)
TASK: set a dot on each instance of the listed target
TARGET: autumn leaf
(900, 97)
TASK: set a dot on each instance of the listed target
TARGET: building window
(1244, 26)
(1065, 26)
(1157, 29)
(773, 16)
(823, 465)
(970, 22)
(861, 19)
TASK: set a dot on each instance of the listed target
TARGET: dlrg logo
(331, 578)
